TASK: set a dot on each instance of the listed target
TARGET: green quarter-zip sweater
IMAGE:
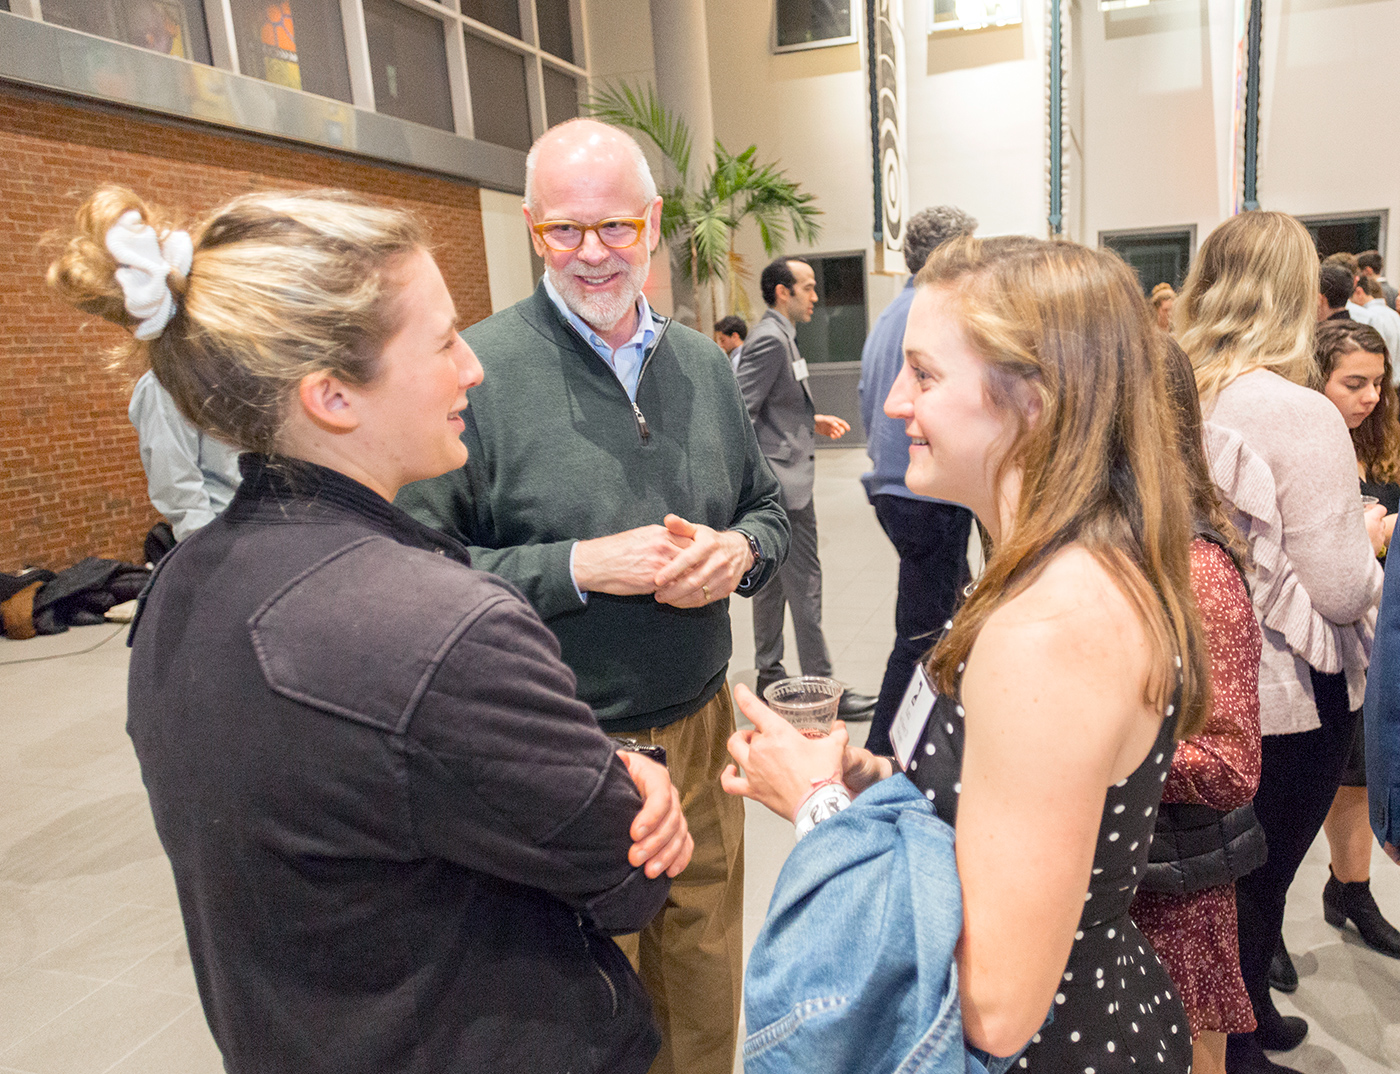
(557, 453)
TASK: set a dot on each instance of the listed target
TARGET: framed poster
(804, 24)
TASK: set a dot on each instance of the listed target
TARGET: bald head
(583, 153)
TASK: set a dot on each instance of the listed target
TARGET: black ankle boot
(1341, 901)
(1244, 1056)
(1282, 974)
(1280, 1032)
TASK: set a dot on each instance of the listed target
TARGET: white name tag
(912, 716)
(799, 369)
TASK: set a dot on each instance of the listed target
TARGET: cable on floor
(60, 656)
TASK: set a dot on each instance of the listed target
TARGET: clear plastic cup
(808, 702)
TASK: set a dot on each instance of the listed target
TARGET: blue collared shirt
(626, 361)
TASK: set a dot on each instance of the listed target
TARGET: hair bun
(85, 272)
(147, 262)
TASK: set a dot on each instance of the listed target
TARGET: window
(802, 24)
(499, 71)
(1160, 255)
(503, 15)
(556, 33)
(837, 329)
(500, 97)
(408, 62)
(972, 14)
(172, 27)
(294, 43)
(1347, 233)
(560, 96)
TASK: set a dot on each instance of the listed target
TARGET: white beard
(603, 311)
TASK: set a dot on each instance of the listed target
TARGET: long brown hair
(1377, 439)
(1101, 467)
(1205, 497)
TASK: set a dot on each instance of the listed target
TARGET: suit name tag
(912, 717)
(799, 369)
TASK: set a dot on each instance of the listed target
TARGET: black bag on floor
(81, 595)
(159, 541)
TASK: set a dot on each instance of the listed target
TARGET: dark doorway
(831, 342)
(1158, 255)
(836, 331)
(1346, 234)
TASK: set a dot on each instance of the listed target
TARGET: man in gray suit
(773, 377)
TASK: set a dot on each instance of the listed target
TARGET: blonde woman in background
(1163, 299)
(1284, 464)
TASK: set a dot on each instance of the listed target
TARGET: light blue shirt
(191, 476)
(626, 361)
(1387, 322)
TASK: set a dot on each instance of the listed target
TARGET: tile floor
(94, 975)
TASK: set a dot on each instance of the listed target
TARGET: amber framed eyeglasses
(616, 232)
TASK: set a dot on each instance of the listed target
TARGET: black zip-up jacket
(399, 841)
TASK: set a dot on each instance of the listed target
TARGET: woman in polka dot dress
(1033, 394)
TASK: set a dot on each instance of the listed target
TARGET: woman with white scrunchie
(365, 759)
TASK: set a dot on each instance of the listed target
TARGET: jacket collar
(541, 313)
(785, 326)
(286, 489)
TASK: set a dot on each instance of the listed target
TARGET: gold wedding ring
(706, 590)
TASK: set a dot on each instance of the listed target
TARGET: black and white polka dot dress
(1116, 1009)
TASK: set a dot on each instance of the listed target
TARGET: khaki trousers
(690, 957)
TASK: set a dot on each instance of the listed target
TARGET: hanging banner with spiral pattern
(888, 131)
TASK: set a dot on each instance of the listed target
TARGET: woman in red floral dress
(1196, 935)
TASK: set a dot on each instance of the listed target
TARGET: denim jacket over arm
(821, 994)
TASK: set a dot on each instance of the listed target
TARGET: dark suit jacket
(780, 406)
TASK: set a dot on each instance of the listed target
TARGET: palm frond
(639, 109)
(710, 242)
(739, 276)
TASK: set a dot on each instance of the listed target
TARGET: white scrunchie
(146, 264)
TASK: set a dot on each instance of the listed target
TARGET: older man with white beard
(614, 477)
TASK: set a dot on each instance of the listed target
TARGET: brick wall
(71, 483)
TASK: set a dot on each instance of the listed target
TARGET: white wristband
(824, 802)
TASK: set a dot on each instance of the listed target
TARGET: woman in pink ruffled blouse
(1283, 461)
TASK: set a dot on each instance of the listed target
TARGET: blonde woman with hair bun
(1283, 461)
(1163, 298)
(400, 843)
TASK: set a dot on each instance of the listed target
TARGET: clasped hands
(682, 563)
